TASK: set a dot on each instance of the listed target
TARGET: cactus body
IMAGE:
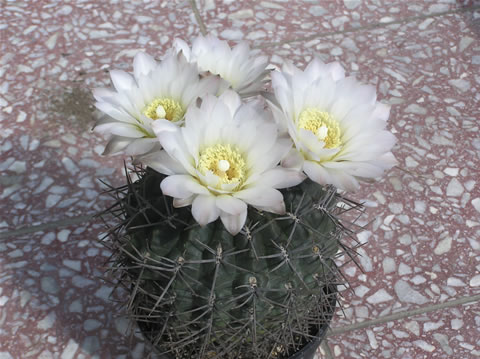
(199, 292)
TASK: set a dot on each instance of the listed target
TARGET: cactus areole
(199, 292)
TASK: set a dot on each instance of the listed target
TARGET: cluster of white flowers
(197, 117)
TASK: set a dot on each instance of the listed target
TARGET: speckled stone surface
(277, 21)
(422, 235)
(53, 302)
(449, 333)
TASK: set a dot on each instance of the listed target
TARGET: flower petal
(280, 177)
(234, 223)
(173, 143)
(143, 64)
(116, 144)
(231, 205)
(181, 46)
(204, 209)
(317, 173)
(161, 162)
(183, 202)
(141, 146)
(323, 175)
(115, 112)
(382, 111)
(182, 186)
(122, 81)
(293, 160)
(232, 100)
(266, 198)
(336, 70)
(119, 129)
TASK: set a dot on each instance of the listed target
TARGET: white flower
(238, 66)
(336, 124)
(156, 92)
(224, 158)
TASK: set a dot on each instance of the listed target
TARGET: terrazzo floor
(418, 295)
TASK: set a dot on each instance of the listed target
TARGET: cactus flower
(242, 71)
(224, 158)
(337, 126)
(157, 91)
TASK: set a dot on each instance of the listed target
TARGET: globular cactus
(199, 292)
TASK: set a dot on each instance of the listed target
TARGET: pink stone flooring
(418, 294)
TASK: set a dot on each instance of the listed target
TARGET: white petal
(173, 143)
(266, 198)
(183, 202)
(344, 181)
(143, 65)
(266, 138)
(311, 141)
(280, 178)
(204, 209)
(122, 81)
(382, 111)
(161, 162)
(191, 139)
(320, 93)
(181, 46)
(366, 170)
(116, 144)
(115, 112)
(317, 173)
(348, 94)
(336, 70)
(219, 112)
(141, 146)
(232, 100)
(366, 147)
(208, 85)
(234, 223)
(316, 69)
(208, 179)
(119, 129)
(323, 175)
(162, 125)
(231, 205)
(293, 160)
(289, 68)
(388, 160)
(102, 94)
(182, 186)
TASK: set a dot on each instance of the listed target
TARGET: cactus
(199, 292)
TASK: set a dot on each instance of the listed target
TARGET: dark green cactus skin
(199, 292)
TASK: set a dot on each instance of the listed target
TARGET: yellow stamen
(322, 125)
(164, 108)
(225, 161)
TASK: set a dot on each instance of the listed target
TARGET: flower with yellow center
(225, 158)
(336, 124)
(157, 91)
(240, 68)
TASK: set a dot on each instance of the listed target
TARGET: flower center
(164, 108)
(225, 161)
(322, 125)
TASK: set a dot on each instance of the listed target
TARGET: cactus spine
(199, 292)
